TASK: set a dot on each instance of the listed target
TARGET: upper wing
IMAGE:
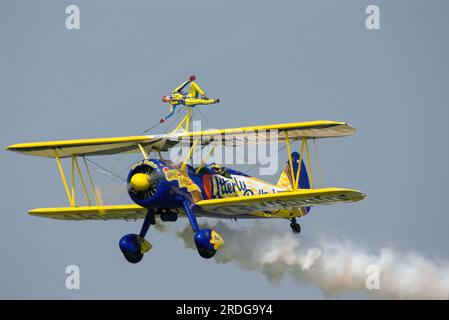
(229, 137)
(289, 200)
(88, 147)
(265, 133)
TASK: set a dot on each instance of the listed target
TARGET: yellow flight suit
(190, 99)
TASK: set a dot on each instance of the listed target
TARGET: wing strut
(320, 172)
(73, 180)
(309, 164)
(86, 194)
(290, 161)
(144, 152)
(189, 155)
(203, 162)
(97, 199)
(71, 193)
(64, 181)
(304, 145)
(301, 153)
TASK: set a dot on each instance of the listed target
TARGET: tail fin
(286, 180)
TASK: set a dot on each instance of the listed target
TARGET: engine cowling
(143, 180)
(148, 187)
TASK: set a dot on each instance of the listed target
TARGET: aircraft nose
(140, 182)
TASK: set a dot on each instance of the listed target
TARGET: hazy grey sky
(269, 62)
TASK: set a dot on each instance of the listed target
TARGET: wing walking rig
(167, 190)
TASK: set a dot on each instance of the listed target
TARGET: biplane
(167, 190)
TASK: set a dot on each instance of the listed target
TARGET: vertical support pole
(301, 153)
(159, 153)
(64, 181)
(181, 123)
(287, 141)
(97, 200)
(189, 114)
(86, 194)
(309, 165)
(73, 180)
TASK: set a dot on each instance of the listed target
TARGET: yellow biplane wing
(87, 147)
(289, 200)
(112, 212)
(163, 142)
(265, 133)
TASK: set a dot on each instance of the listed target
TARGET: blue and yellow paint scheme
(160, 188)
(191, 99)
(208, 189)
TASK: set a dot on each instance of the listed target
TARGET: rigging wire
(143, 132)
(255, 165)
(175, 122)
(120, 185)
(237, 153)
(202, 115)
(115, 191)
(138, 158)
(106, 171)
(151, 128)
(113, 176)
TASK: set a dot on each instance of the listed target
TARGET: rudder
(286, 181)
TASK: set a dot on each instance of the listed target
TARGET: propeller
(143, 183)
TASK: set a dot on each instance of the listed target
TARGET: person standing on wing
(188, 99)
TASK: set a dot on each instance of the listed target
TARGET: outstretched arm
(172, 110)
(182, 86)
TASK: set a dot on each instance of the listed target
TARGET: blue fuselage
(172, 186)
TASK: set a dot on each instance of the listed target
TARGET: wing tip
(354, 129)
(11, 147)
(358, 195)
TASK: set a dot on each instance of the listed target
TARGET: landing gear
(206, 253)
(130, 248)
(296, 228)
(207, 241)
(134, 246)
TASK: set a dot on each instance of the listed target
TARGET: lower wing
(289, 200)
(113, 212)
(257, 205)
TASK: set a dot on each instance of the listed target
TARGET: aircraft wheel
(207, 242)
(133, 257)
(296, 228)
(130, 248)
(206, 253)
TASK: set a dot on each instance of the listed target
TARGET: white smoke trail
(334, 266)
